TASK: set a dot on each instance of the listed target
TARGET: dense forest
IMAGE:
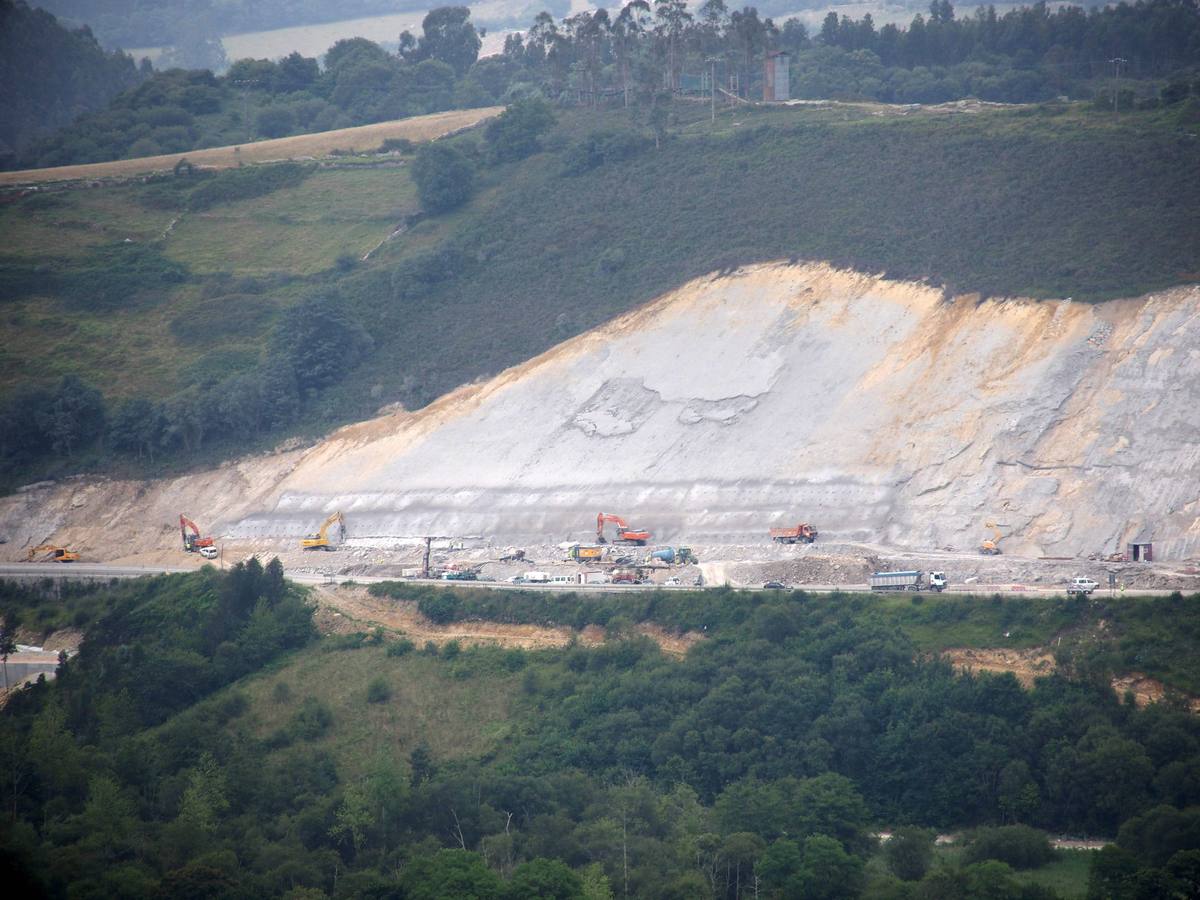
(638, 55)
(191, 749)
(49, 76)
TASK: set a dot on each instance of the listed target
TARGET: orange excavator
(192, 541)
(53, 554)
(625, 534)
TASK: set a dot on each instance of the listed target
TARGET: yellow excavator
(53, 554)
(991, 546)
(320, 540)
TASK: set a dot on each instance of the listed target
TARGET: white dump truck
(908, 581)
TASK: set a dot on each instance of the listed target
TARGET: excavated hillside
(884, 411)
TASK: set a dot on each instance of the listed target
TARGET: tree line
(50, 75)
(759, 765)
(635, 55)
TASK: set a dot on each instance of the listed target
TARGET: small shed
(775, 76)
(1139, 551)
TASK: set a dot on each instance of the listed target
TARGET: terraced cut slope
(881, 409)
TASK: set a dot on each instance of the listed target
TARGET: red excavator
(192, 542)
(625, 534)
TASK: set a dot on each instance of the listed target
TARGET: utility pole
(712, 85)
(1117, 63)
(245, 85)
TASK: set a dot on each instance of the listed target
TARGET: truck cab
(937, 581)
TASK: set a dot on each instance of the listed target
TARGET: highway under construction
(897, 421)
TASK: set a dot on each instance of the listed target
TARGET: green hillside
(165, 291)
(204, 741)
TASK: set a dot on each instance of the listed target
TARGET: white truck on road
(908, 581)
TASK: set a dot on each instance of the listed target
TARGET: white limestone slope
(881, 411)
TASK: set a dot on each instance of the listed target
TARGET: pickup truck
(1082, 586)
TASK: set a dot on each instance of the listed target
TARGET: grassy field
(1049, 201)
(455, 717)
(362, 138)
(296, 232)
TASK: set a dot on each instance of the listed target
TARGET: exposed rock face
(881, 411)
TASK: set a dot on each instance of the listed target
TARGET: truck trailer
(908, 581)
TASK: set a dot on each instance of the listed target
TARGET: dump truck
(908, 581)
(585, 553)
(802, 534)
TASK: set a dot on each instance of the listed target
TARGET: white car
(1082, 586)
(209, 552)
(673, 582)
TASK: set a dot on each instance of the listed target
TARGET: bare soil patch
(344, 610)
(1026, 665)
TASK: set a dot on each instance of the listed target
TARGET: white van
(565, 579)
(209, 552)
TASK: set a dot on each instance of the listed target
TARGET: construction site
(795, 424)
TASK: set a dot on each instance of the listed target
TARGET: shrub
(440, 607)
(402, 647)
(909, 853)
(1020, 846)
(312, 719)
(246, 183)
(379, 691)
(515, 133)
(444, 176)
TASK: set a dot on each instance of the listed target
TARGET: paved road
(101, 571)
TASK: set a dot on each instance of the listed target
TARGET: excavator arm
(56, 554)
(320, 540)
(625, 534)
(192, 541)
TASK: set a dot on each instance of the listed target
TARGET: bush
(379, 691)
(246, 183)
(909, 853)
(402, 647)
(515, 133)
(1020, 846)
(440, 607)
(444, 176)
(601, 147)
(312, 720)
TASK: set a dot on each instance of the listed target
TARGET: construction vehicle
(908, 581)
(190, 532)
(625, 534)
(671, 556)
(52, 554)
(802, 533)
(320, 540)
(991, 546)
(513, 556)
(582, 553)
